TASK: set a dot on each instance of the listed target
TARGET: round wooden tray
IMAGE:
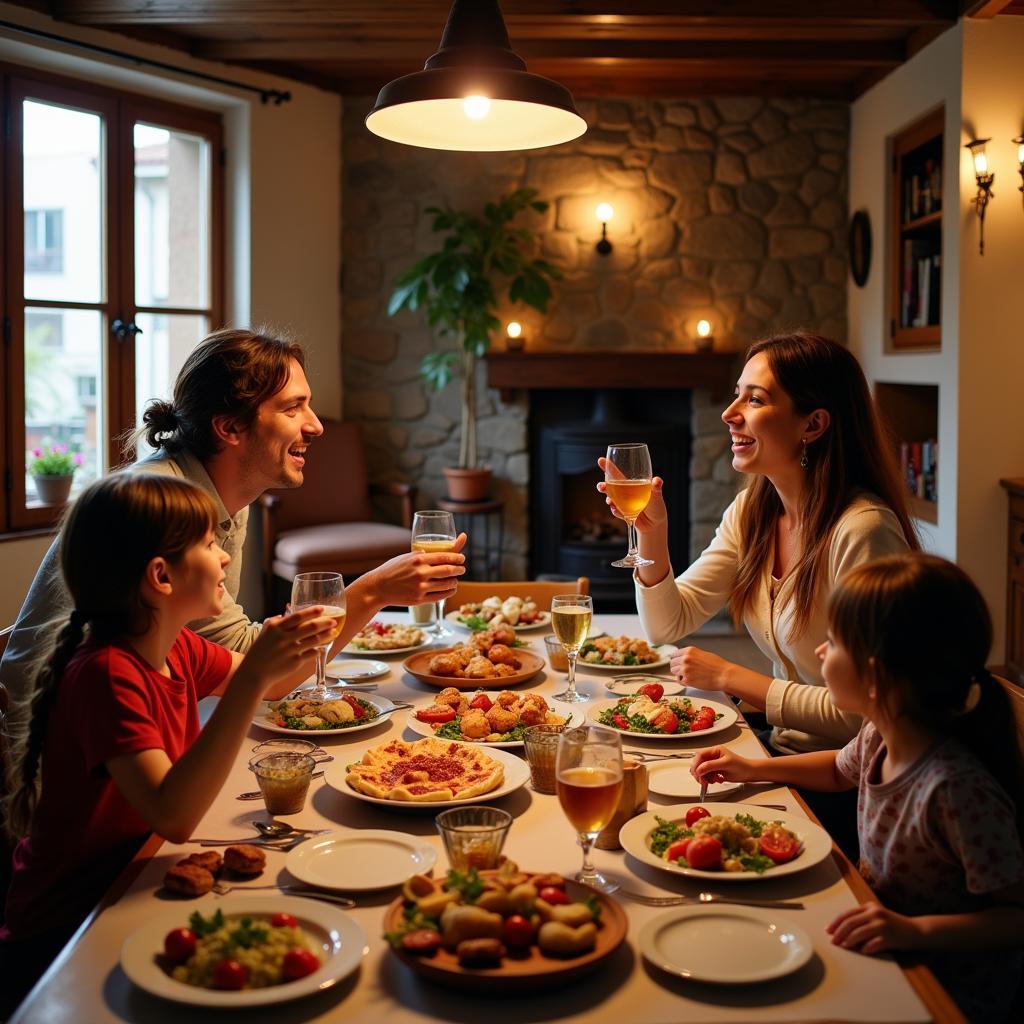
(416, 665)
(534, 970)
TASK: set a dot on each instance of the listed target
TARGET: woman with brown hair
(825, 496)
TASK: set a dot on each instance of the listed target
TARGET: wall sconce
(984, 177)
(514, 340)
(704, 340)
(604, 214)
(1019, 143)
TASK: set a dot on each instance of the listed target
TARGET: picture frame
(859, 242)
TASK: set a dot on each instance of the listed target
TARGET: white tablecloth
(87, 985)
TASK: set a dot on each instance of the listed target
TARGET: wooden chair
(327, 524)
(1016, 694)
(542, 591)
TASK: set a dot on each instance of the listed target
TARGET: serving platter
(416, 665)
(664, 651)
(382, 704)
(531, 972)
(727, 711)
(543, 621)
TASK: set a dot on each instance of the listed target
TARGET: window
(44, 241)
(116, 275)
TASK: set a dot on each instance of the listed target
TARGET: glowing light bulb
(604, 212)
(980, 162)
(703, 328)
(514, 329)
(476, 107)
(1020, 153)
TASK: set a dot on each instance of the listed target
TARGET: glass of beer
(588, 780)
(627, 481)
(327, 589)
(571, 615)
(434, 531)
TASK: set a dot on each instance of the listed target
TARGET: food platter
(544, 619)
(352, 648)
(425, 729)
(531, 972)
(727, 711)
(416, 665)
(366, 860)
(664, 651)
(817, 844)
(343, 945)
(725, 945)
(382, 704)
(516, 770)
(382, 652)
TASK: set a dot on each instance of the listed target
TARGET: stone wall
(732, 210)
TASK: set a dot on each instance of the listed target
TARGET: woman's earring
(804, 462)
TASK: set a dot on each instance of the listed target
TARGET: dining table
(87, 985)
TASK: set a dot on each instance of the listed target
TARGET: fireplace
(572, 533)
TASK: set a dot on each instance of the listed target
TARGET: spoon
(275, 829)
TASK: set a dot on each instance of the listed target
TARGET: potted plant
(53, 469)
(458, 286)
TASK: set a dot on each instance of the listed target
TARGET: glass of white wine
(588, 780)
(571, 615)
(327, 589)
(434, 531)
(627, 481)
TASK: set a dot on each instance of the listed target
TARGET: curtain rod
(277, 96)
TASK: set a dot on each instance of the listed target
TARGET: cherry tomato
(517, 931)
(695, 813)
(667, 721)
(422, 942)
(704, 853)
(436, 715)
(230, 974)
(549, 894)
(283, 921)
(298, 963)
(482, 703)
(653, 690)
(179, 944)
(357, 709)
(677, 850)
(621, 721)
(779, 844)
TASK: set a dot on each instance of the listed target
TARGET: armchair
(327, 524)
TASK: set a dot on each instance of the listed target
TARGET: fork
(281, 843)
(707, 897)
(223, 888)
(645, 755)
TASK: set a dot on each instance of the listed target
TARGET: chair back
(542, 591)
(1016, 695)
(335, 488)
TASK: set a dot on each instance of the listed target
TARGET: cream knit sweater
(798, 705)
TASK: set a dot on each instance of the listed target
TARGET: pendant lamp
(475, 93)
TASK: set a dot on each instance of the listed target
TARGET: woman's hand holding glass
(654, 517)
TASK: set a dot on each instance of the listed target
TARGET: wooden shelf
(917, 337)
(925, 510)
(928, 220)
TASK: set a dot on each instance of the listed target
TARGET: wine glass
(588, 780)
(571, 615)
(327, 589)
(627, 481)
(434, 531)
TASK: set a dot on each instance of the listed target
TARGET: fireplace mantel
(625, 368)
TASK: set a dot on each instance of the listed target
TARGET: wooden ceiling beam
(983, 8)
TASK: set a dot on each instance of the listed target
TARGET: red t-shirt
(110, 702)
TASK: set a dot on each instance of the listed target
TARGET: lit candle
(704, 337)
(514, 336)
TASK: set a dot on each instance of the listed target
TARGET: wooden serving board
(416, 665)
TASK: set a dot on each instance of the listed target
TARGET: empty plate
(360, 861)
(624, 685)
(673, 778)
(351, 668)
(725, 945)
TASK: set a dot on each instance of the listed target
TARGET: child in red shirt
(937, 765)
(114, 721)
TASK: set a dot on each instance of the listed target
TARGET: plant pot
(53, 490)
(468, 484)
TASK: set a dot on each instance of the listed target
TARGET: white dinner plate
(674, 779)
(725, 945)
(347, 668)
(517, 774)
(664, 652)
(425, 728)
(342, 941)
(727, 711)
(625, 685)
(362, 861)
(817, 843)
(544, 620)
(350, 648)
(382, 704)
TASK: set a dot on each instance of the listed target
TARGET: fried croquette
(502, 719)
(507, 699)
(245, 859)
(501, 654)
(209, 859)
(444, 665)
(188, 879)
(474, 724)
(480, 668)
(503, 671)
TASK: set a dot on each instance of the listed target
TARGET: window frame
(119, 109)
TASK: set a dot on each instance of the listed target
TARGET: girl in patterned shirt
(938, 769)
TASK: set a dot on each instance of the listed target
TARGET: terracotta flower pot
(53, 490)
(468, 484)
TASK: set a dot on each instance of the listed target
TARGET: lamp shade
(475, 93)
